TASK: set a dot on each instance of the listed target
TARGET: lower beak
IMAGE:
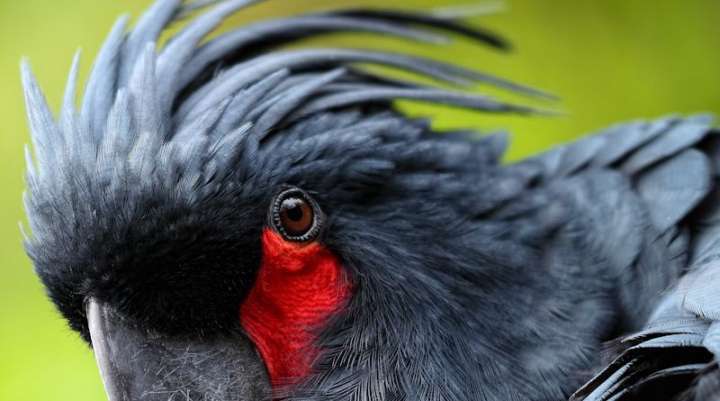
(139, 365)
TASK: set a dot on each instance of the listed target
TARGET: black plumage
(473, 279)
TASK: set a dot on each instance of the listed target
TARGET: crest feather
(171, 118)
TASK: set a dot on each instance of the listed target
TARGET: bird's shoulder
(651, 191)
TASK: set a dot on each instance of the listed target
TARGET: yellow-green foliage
(609, 60)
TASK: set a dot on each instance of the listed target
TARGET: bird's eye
(296, 216)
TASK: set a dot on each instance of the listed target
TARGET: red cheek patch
(297, 289)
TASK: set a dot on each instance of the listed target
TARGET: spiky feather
(475, 280)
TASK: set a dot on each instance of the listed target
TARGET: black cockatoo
(230, 219)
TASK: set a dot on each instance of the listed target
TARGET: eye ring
(296, 216)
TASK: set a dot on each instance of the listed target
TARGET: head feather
(189, 134)
(154, 83)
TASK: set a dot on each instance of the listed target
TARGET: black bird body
(472, 279)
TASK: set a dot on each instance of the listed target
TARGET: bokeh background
(609, 60)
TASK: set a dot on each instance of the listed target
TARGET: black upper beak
(140, 365)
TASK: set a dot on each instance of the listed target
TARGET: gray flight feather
(671, 192)
(674, 140)
(625, 138)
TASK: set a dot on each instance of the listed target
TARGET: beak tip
(98, 328)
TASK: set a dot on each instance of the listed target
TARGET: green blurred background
(609, 60)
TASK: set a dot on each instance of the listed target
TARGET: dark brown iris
(296, 216)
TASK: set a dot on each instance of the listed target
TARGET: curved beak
(140, 365)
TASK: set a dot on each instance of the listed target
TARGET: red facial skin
(297, 289)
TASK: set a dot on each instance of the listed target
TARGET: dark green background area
(609, 60)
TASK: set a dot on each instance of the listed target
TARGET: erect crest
(182, 123)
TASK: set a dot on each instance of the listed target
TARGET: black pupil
(293, 209)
